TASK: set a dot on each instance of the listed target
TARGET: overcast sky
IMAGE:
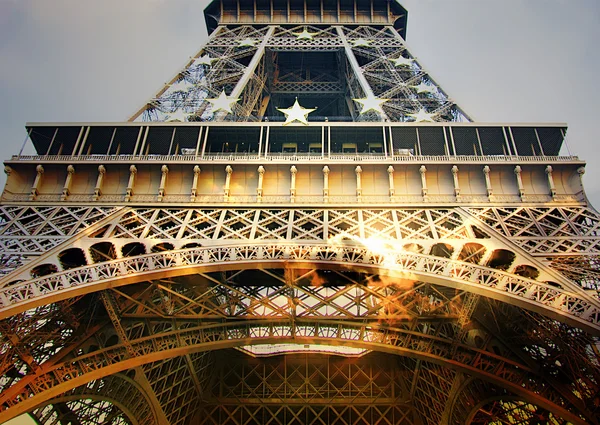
(501, 61)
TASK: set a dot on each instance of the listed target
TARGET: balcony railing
(295, 158)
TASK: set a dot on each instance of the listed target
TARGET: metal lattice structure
(206, 262)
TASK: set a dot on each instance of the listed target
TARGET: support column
(551, 182)
(241, 84)
(163, 181)
(129, 192)
(36, 183)
(488, 182)
(326, 184)
(7, 171)
(358, 171)
(364, 84)
(250, 70)
(423, 171)
(226, 193)
(581, 172)
(456, 185)
(293, 171)
(392, 190)
(259, 189)
(67, 187)
(99, 181)
(519, 181)
(195, 183)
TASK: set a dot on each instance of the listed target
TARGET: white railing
(297, 157)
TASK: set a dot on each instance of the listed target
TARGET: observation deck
(322, 163)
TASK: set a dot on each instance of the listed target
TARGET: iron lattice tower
(388, 262)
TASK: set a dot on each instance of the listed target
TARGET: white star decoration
(222, 102)
(182, 85)
(304, 35)
(178, 115)
(424, 88)
(402, 61)
(204, 60)
(422, 115)
(371, 103)
(247, 42)
(361, 42)
(296, 113)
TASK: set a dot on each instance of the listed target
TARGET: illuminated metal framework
(397, 265)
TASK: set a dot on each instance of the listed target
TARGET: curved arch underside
(560, 304)
(444, 316)
(179, 316)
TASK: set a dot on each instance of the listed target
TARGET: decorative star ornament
(304, 35)
(424, 88)
(247, 42)
(296, 113)
(371, 103)
(222, 102)
(178, 115)
(204, 60)
(361, 42)
(402, 61)
(422, 115)
(182, 85)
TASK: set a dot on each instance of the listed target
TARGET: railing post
(293, 171)
(326, 184)
(358, 171)
(259, 188)
(67, 186)
(488, 182)
(456, 184)
(36, 183)
(129, 190)
(195, 183)
(226, 192)
(551, 182)
(99, 181)
(392, 190)
(519, 181)
(163, 181)
(423, 171)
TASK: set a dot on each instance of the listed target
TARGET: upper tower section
(319, 60)
(313, 12)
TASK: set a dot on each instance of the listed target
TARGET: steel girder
(576, 308)
(336, 240)
(115, 399)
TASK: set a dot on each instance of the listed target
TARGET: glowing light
(422, 115)
(402, 61)
(204, 60)
(222, 102)
(371, 103)
(424, 88)
(305, 35)
(247, 42)
(178, 115)
(361, 42)
(182, 85)
(275, 349)
(296, 113)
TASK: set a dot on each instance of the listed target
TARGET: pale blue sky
(501, 61)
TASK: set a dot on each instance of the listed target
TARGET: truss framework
(409, 88)
(445, 314)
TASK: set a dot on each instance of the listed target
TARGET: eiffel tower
(301, 227)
